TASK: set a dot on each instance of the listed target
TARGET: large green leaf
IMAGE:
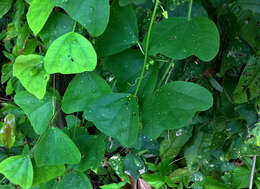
(121, 32)
(38, 13)
(57, 25)
(5, 5)
(253, 5)
(75, 180)
(173, 106)
(116, 115)
(47, 173)
(70, 53)
(248, 86)
(29, 70)
(38, 111)
(18, 169)
(83, 90)
(92, 14)
(56, 148)
(93, 148)
(179, 38)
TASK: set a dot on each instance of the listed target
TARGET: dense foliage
(105, 94)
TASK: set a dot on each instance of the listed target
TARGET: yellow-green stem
(190, 7)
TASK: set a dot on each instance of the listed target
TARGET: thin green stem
(146, 47)
(165, 74)
(74, 27)
(190, 7)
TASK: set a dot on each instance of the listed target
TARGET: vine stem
(252, 173)
(147, 46)
(190, 7)
(74, 27)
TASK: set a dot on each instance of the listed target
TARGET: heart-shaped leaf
(83, 90)
(21, 164)
(47, 173)
(179, 38)
(75, 180)
(116, 115)
(29, 70)
(173, 106)
(38, 13)
(38, 111)
(92, 14)
(56, 148)
(121, 32)
(71, 53)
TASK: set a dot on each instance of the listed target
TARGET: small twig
(169, 74)
(252, 173)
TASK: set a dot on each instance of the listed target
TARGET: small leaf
(93, 148)
(7, 132)
(29, 70)
(38, 111)
(75, 180)
(116, 115)
(92, 14)
(21, 164)
(83, 90)
(173, 106)
(38, 13)
(121, 32)
(47, 173)
(179, 38)
(56, 148)
(69, 54)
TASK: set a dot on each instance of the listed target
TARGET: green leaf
(38, 111)
(133, 164)
(5, 6)
(116, 115)
(21, 164)
(173, 142)
(30, 72)
(155, 180)
(211, 183)
(8, 131)
(240, 178)
(57, 25)
(93, 149)
(253, 5)
(92, 14)
(47, 173)
(75, 180)
(56, 148)
(38, 13)
(179, 38)
(70, 53)
(121, 32)
(114, 185)
(83, 90)
(173, 106)
(248, 86)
